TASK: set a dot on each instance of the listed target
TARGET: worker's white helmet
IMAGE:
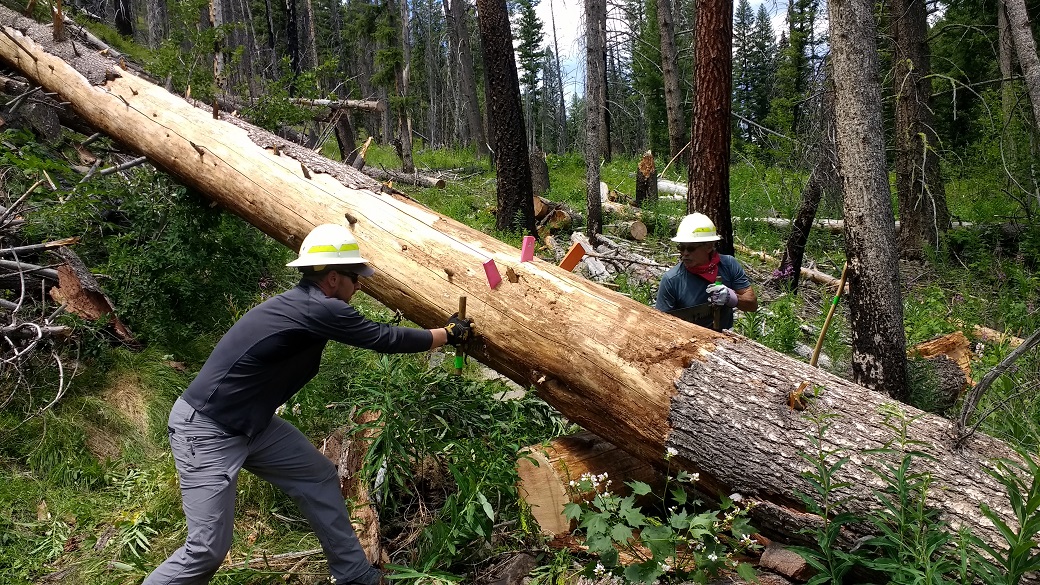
(330, 244)
(696, 227)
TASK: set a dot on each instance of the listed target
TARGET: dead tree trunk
(609, 363)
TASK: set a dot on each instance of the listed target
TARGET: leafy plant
(827, 558)
(1009, 564)
(913, 544)
(681, 544)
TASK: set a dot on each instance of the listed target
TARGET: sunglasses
(351, 275)
(692, 247)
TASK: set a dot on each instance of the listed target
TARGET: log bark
(346, 448)
(607, 362)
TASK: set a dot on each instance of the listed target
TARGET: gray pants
(208, 460)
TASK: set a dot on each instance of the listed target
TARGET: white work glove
(721, 295)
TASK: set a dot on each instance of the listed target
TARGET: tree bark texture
(506, 119)
(646, 180)
(595, 106)
(875, 303)
(670, 74)
(607, 362)
(919, 184)
(1025, 50)
(709, 158)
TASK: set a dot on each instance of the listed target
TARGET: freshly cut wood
(607, 362)
(646, 180)
(359, 159)
(546, 473)
(542, 206)
(632, 229)
(954, 345)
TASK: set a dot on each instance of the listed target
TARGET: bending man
(225, 421)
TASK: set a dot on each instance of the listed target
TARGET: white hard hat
(696, 227)
(330, 244)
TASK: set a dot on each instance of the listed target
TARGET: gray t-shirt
(681, 289)
(275, 348)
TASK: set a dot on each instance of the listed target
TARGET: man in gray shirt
(225, 421)
(704, 282)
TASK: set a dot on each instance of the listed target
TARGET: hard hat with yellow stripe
(696, 227)
(330, 244)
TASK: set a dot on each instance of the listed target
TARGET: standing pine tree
(762, 62)
(527, 29)
(743, 72)
(647, 80)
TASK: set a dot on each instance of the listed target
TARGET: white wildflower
(670, 452)
(736, 497)
(713, 557)
(296, 409)
(600, 569)
(665, 567)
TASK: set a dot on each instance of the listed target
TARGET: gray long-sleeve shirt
(275, 348)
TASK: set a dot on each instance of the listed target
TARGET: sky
(570, 31)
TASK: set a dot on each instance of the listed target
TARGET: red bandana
(707, 271)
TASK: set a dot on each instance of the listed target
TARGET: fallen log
(813, 275)
(835, 226)
(346, 447)
(416, 178)
(613, 365)
(376, 106)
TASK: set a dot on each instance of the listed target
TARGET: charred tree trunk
(506, 119)
(595, 106)
(616, 374)
(670, 73)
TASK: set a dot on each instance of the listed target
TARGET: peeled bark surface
(605, 361)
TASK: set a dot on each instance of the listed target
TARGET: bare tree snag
(609, 363)
(646, 180)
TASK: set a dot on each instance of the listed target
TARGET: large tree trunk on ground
(607, 362)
